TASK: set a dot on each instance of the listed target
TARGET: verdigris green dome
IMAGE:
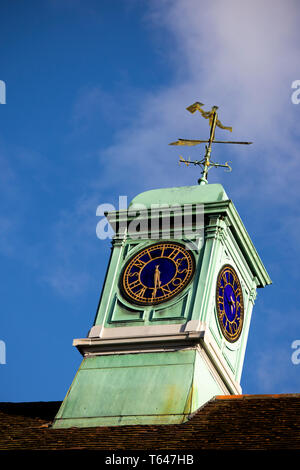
(181, 195)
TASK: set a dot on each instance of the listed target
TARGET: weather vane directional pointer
(214, 122)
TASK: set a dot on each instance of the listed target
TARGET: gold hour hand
(232, 304)
(157, 281)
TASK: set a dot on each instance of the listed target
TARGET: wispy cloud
(240, 56)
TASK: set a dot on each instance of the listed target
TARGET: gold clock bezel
(234, 335)
(132, 297)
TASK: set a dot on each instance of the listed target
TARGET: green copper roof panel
(182, 195)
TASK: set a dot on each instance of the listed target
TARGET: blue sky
(95, 91)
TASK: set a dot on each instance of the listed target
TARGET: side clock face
(230, 305)
(157, 273)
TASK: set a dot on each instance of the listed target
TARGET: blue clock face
(157, 273)
(230, 305)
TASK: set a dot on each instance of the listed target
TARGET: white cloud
(240, 56)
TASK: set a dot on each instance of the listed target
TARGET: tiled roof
(225, 422)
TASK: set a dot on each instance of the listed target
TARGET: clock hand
(232, 306)
(157, 281)
(231, 302)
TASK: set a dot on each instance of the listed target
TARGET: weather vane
(206, 163)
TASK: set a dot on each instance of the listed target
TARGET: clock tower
(171, 327)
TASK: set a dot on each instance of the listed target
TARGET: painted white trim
(99, 331)
(225, 389)
(120, 341)
(219, 364)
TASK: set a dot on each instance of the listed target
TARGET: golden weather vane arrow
(214, 122)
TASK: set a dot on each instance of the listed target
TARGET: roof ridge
(258, 396)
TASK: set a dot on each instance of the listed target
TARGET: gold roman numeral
(139, 264)
(141, 292)
(133, 274)
(134, 284)
(166, 289)
(174, 253)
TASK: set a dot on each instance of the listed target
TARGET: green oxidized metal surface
(181, 195)
(136, 388)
